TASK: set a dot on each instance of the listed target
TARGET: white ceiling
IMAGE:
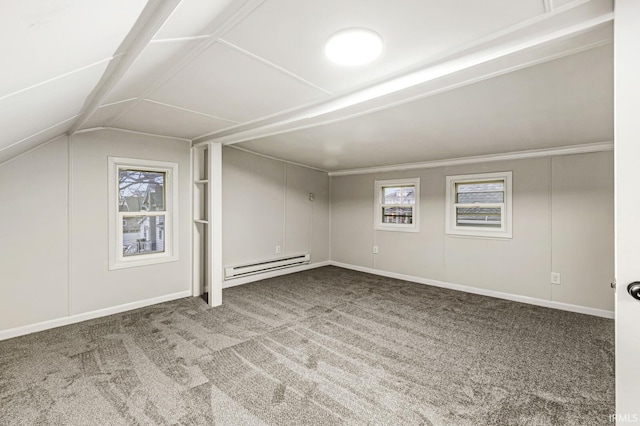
(292, 33)
(456, 78)
(552, 104)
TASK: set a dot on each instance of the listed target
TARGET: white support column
(214, 237)
(196, 269)
(627, 159)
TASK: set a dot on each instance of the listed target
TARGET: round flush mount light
(354, 46)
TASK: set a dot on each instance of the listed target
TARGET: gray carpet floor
(325, 346)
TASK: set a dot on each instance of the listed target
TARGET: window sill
(394, 229)
(480, 235)
(124, 264)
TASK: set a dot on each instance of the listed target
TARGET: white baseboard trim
(72, 319)
(232, 282)
(484, 292)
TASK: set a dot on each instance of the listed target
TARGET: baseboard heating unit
(267, 265)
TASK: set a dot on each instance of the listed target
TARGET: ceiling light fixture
(354, 46)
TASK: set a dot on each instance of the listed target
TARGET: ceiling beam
(153, 16)
(220, 25)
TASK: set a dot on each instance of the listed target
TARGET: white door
(627, 175)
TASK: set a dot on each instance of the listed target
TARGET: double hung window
(397, 203)
(479, 205)
(143, 225)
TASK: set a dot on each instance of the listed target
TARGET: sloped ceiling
(54, 54)
(456, 78)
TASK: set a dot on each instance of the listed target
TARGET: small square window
(396, 204)
(479, 205)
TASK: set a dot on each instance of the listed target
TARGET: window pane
(480, 192)
(142, 235)
(496, 185)
(397, 215)
(399, 194)
(478, 216)
(141, 190)
(479, 197)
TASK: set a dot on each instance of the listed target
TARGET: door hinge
(613, 285)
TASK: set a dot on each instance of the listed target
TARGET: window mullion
(143, 213)
(479, 205)
(475, 192)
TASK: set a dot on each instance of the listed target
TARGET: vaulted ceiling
(456, 78)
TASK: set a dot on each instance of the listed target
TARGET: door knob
(634, 290)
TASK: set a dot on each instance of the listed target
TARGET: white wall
(34, 236)
(583, 228)
(93, 286)
(563, 221)
(265, 203)
(562, 218)
(50, 271)
(520, 265)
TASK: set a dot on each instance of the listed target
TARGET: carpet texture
(325, 346)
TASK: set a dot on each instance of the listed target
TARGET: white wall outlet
(312, 196)
(375, 249)
(278, 249)
(555, 278)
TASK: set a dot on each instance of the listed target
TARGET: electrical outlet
(278, 249)
(375, 249)
(312, 196)
(555, 278)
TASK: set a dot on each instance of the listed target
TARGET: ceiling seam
(503, 32)
(236, 16)
(117, 102)
(225, 129)
(277, 159)
(153, 16)
(190, 111)
(22, 154)
(179, 39)
(39, 133)
(274, 66)
(33, 86)
(94, 129)
(266, 117)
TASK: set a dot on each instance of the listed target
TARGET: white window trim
(505, 231)
(377, 200)
(116, 259)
